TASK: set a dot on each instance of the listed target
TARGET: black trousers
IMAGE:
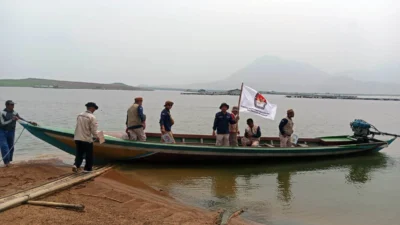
(84, 149)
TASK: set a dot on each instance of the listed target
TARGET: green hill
(44, 83)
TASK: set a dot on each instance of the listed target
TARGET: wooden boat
(202, 147)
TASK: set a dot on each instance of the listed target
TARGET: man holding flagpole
(234, 128)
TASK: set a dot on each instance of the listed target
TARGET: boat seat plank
(195, 143)
(303, 145)
(268, 145)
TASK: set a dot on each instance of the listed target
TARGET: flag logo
(259, 101)
(253, 102)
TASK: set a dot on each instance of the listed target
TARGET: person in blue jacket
(221, 125)
(166, 121)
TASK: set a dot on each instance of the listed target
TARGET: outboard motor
(361, 130)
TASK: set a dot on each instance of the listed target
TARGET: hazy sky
(174, 42)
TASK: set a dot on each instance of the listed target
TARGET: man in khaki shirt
(85, 132)
(234, 128)
(286, 129)
(136, 121)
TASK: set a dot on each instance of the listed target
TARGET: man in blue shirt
(166, 123)
(221, 125)
(8, 122)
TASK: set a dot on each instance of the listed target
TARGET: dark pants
(6, 143)
(84, 149)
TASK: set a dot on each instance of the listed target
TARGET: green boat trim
(116, 148)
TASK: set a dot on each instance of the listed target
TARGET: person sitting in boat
(252, 134)
(136, 121)
(166, 123)
(234, 128)
(286, 129)
(221, 125)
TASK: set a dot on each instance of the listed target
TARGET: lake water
(352, 190)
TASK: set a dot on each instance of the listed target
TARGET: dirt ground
(108, 199)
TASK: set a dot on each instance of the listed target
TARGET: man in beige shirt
(286, 130)
(136, 121)
(234, 128)
(85, 134)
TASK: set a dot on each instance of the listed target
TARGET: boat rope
(12, 147)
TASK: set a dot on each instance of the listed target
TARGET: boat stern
(391, 141)
(388, 142)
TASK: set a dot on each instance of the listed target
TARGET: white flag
(253, 102)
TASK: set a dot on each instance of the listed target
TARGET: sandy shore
(108, 199)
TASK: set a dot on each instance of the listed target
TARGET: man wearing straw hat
(221, 125)
(286, 129)
(234, 128)
(136, 121)
(166, 122)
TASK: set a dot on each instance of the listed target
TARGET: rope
(2, 159)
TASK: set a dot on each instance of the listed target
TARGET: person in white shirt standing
(85, 134)
(286, 130)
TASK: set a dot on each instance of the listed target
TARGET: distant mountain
(122, 84)
(389, 73)
(44, 83)
(272, 73)
(345, 84)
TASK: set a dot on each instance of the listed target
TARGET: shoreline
(111, 198)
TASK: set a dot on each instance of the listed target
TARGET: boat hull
(119, 149)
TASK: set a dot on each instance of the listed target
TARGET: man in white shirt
(85, 134)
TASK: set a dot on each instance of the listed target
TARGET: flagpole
(240, 97)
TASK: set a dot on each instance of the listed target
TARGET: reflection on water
(250, 186)
(358, 174)
(224, 186)
(284, 192)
